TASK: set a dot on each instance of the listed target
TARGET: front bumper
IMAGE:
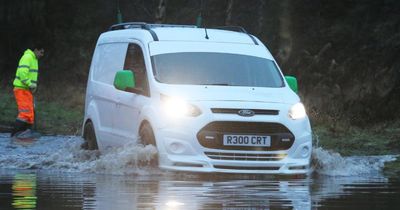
(181, 155)
(182, 147)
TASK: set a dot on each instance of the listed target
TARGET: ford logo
(246, 112)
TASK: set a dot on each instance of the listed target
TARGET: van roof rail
(237, 29)
(232, 28)
(129, 25)
(171, 25)
(146, 26)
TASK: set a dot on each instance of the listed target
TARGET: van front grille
(236, 111)
(244, 156)
(211, 135)
(257, 168)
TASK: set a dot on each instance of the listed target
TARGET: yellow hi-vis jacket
(27, 71)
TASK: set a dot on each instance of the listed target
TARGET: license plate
(247, 140)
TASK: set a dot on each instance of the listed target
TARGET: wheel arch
(84, 125)
(144, 123)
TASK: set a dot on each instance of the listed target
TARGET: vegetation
(349, 140)
(346, 139)
(392, 169)
(52, 117)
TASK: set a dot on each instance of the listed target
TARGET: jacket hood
(30, 52)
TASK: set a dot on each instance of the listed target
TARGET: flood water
(54, 173)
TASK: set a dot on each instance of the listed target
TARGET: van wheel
(147, 138)
(89, 137)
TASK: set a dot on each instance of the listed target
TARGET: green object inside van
(292, 81)
(124, 80)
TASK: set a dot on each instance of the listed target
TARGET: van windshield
(205, 68)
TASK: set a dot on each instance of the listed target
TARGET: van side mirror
(124, 80)
(292, 81)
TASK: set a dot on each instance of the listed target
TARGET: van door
(103, 98)
(130, 103)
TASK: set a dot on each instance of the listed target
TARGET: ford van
(210, 100)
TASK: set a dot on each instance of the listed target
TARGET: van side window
(108, 61)
(134, 61)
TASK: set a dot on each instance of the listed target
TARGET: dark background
(345, 53)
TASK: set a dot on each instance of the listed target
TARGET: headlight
(297, 111)
(176, 107)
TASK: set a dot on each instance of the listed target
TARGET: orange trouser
(24, 99)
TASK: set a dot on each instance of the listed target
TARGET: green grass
(392, 169)
(8, 109)
(51, 117)
(350, 140)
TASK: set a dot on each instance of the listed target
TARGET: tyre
(89, 136)
(147, 138)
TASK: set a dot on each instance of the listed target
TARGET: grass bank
(379, 139)
(59, 116)
(349, 140)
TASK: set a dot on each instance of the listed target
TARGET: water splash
(63, 153)
(331, 163)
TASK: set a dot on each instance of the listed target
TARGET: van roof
(167, 32)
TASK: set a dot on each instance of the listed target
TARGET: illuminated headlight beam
(297, 111)
(176, 107)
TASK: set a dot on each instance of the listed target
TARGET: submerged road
(54, 173)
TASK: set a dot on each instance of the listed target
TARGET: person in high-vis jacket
(25, 84)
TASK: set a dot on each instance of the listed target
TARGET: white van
(210, 100)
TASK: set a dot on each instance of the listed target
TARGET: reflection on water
(24, 191)
(54, 173)
(176, 191)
